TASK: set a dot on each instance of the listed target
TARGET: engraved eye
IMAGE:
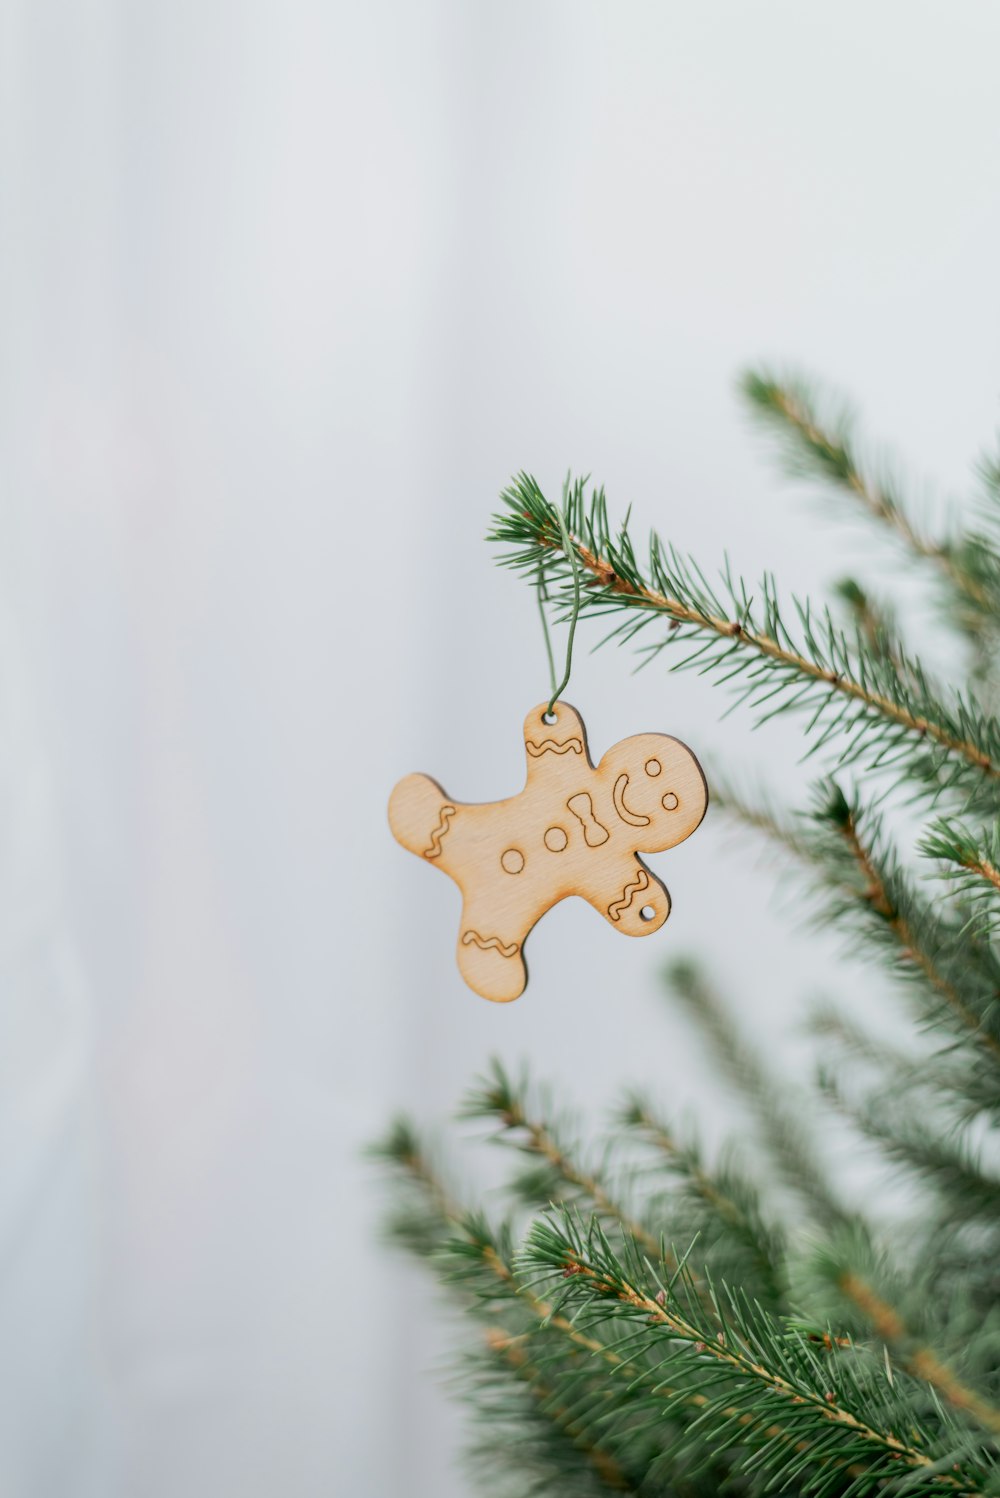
(653, 767)
(670, 802)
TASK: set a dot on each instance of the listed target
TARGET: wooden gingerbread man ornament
(572, 830)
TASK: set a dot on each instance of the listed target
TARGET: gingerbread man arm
(630, 897)
(421, 816)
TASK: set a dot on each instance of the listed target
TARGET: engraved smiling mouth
(634, 819)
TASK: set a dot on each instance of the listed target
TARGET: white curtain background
(288, 290)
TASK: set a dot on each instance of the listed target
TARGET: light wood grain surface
(573, 830)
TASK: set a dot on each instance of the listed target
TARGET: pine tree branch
(874, 622)
(940, 1157)
(638, 1114)
(778, 1113)
(918, 1359)
(887, 714)
(731, 1204)
(927, 945)
(637, 1373)
(768, 1371)
(497, 1097)
(471, 1240)
(471, 1243)
(514, 1352)
(873, 886)
(826, 450)
(464, 1239)
(974, 864)
(943, 1075)
(911, 937)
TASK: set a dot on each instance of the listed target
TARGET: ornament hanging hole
(549, 718)
(647, 913)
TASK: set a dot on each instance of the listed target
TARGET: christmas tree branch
(962, 973)
(919, 938)
(741, 1247)
(833, 1362)
(873, 622)
(888, 715)
(736, 1236)
(941, 1157)
(778, 1114)
(462, 1244)
(638, 1114)
(918, 1359)
(638, 1374)
(468, 1237)
(825, 449)
(471, 1247)
(974, 863)
(755, 1366)
(515, 1353)
(497, 1097)
(964, 1083)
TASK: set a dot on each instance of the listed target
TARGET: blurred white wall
(287, 292)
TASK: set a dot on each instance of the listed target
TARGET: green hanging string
(570, 551)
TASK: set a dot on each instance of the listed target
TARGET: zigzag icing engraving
(434, 847)
(552, 746)
(485, 943)
(618, 907)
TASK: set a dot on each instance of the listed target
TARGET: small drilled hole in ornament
(550, 718)
(647, 913)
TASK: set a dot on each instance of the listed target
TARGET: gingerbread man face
(647, 774)
(572, 830)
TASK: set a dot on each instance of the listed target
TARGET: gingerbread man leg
(491, 961)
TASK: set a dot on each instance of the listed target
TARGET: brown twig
(541, 1142)
(917, 1359)
(877, 895)
(986, 870)
(512, 1350)
(874, 501)
(770, 648)
(703, 1184)
(662, 1315)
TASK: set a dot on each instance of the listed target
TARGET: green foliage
(648, 1316)
(880, 710)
